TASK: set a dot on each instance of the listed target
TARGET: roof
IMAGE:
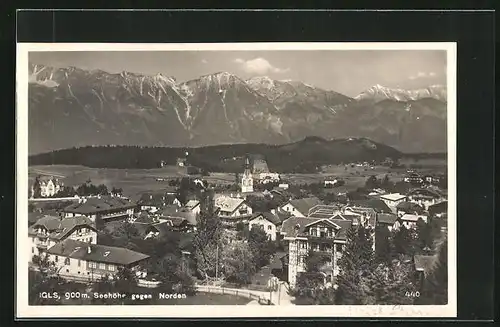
(426, 192)
(99, 253)
(342, 216)
(392, 196)
(268, 216)
(228, 204)
(295, 226)
(322, 210)
(305, 204)
(423, 262)
(375, 204)
(191, 204)
(438, 207)
(151, 199)
(387, 218)
(410, 217)
(409, 207)
(59, 228)
(107, 203)
(170, 213)
(144, 218)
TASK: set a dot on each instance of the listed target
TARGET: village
(263, 238)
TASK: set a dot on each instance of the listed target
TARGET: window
(102, 266)
(269, 227)
(92, 265)
(90, 240)
(79, 263)
(56, 259)
(66, 261)
(67, 270)
(32, 250)
(111, 268)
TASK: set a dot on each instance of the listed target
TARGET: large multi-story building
(50, 230)
(325, 236)
(102, 209)
(48, 187)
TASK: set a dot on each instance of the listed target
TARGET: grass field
(134, 181)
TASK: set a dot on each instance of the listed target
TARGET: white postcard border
(23, 310)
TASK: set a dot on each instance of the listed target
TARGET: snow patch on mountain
(379, 92)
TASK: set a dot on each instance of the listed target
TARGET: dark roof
(322, 210)
(295, 226)
(387, 218)
(59, 228)
(305, 204)
(144, 218)
(440, 207)
(267, 215)
(99, 253)
(152, 199)
(423, 262)
(426, 192)
(107, 203)
(409, 207)
(375, 204)
(183, 213)
(282, 215)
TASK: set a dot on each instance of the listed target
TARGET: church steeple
(247, 179)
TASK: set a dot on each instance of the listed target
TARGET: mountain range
(71, 107)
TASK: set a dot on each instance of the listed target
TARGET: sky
(345, 71)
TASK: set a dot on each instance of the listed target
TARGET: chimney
(89, 249)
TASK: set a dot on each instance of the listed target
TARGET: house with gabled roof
(325, 236)
(50, 230)
(102, 209)
(232, 210)
(426, 197)
(300, 207)
(392, 199)
(193, 206)
(269, 222)
(76, 260)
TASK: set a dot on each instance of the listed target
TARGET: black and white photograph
(300, 179)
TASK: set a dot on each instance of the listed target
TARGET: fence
(236, 292)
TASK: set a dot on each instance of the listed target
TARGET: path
(279, 297)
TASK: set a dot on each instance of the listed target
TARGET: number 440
(412, 294)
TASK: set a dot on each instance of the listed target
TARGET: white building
(48, 187)
(325, 236)
(247, 179)
(89, 262)
(392, 200)
(50, 230)
(267, 221)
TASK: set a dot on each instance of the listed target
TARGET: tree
(435, 285)
(386, 183)
(310, 287)
(116, 191)
(391, 283)
(37, 188)
(355, 266)
(261, 247)
(372, 182)
(44, 278)
(208, 238)
(405, 241)
(238, 263)
(384, 248)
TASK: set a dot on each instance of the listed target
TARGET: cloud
(259, 66)
(204, 61)
(423, 75)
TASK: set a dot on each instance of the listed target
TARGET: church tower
(247, 179)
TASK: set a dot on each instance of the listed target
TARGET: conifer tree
(435, 287)
(355, 266)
